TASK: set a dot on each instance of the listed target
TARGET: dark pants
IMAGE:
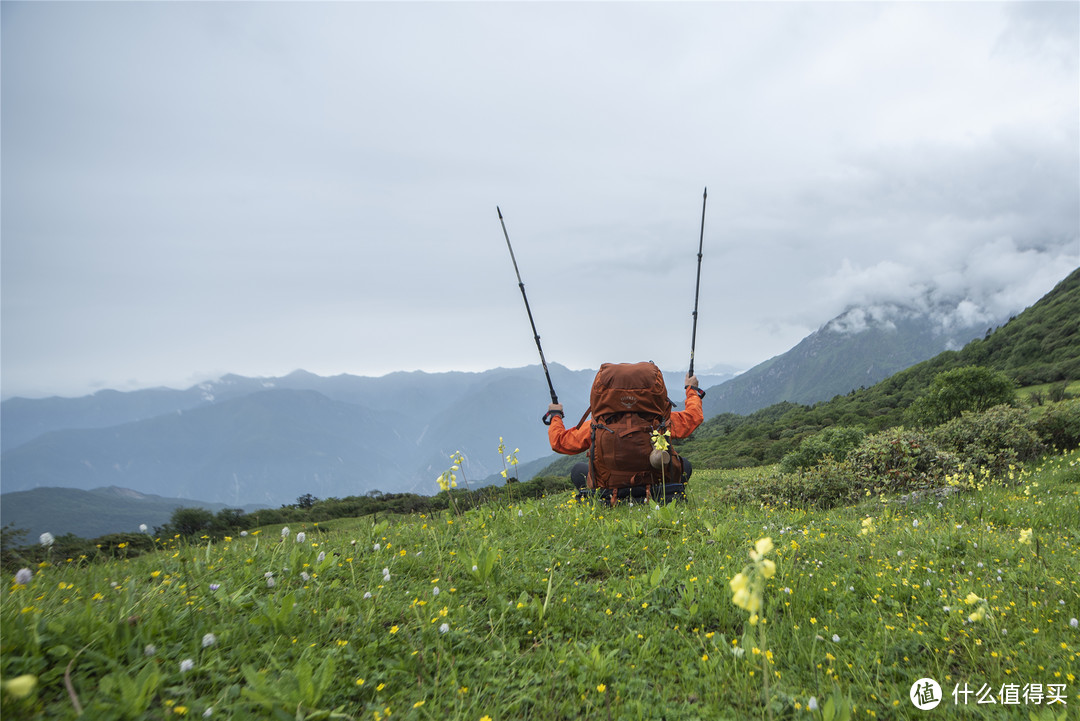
(580, 472)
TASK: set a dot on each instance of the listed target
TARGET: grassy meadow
(556, 609)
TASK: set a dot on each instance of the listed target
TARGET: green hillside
(1041, 345)
(557, 610)
(89, 514)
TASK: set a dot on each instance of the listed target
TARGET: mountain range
(240, 441)
(89, 514)
(857, 349)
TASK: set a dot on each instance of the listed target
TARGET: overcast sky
(191, 189)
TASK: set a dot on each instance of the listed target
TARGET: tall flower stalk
(660, 456)
(512, 459)
(748, 589)
(447, 480)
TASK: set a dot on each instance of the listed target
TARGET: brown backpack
(628, 402)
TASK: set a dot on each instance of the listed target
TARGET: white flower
(435, 591)
(304, 575)
(367, 595)
(812, 703)
(386, 574)
(519, 513)
(270, 583)
(284, 531)
(1073, 622)
(444, 628)
(835, 638)
(377, 547)
(242, 533)
(142, 528)
(150, 650)
(46, 539)
(915, 523)
(899, 553)
(208, 712)
(475, 569)
(23, 576)
(209, 640)
(322, 556)
(268, 574)
(301, 537)
(186, 665)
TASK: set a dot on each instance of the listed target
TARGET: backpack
(628, 402)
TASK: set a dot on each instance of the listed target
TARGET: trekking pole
(536, 336)
(697, 288)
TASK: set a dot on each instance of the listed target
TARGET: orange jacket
(575, 440)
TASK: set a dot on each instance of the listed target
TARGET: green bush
(1058, 426)
(835, 442)
(993, 439)
(951, 393)
(900, 460)
(897, 460)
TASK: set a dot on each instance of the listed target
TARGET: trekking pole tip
(499, 212)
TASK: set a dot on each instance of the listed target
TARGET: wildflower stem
(764, 663)
(70, 687)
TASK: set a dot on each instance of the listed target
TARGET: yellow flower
(601, 688)
(485, 718)
(768, 568)
(660, 440)
(21, 686)
(972, 599)
(763, 546)
(1025, 536)
(393, 629)
(978, 615)
(418, 704)
(739, 582)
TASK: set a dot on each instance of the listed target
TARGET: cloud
(261, 187)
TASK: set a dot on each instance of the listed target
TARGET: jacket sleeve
(568, 441)
(685, 422)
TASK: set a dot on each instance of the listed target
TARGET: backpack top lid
(629, 388)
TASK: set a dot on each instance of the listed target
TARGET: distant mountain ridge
(90, 513)
(239, 441)
(856, 349)
(242, 440)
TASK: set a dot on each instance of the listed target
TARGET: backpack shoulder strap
(587, 411)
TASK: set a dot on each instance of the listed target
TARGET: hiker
(629, 406)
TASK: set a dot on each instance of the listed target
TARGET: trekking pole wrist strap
(550, 415)
(700, 393)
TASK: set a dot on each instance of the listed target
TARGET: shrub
(992, 439)
(899, 459)
(970, 388)
(1059, 425)
(823, 486)
(833, 442)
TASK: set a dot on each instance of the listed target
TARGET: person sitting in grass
(628, 438)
